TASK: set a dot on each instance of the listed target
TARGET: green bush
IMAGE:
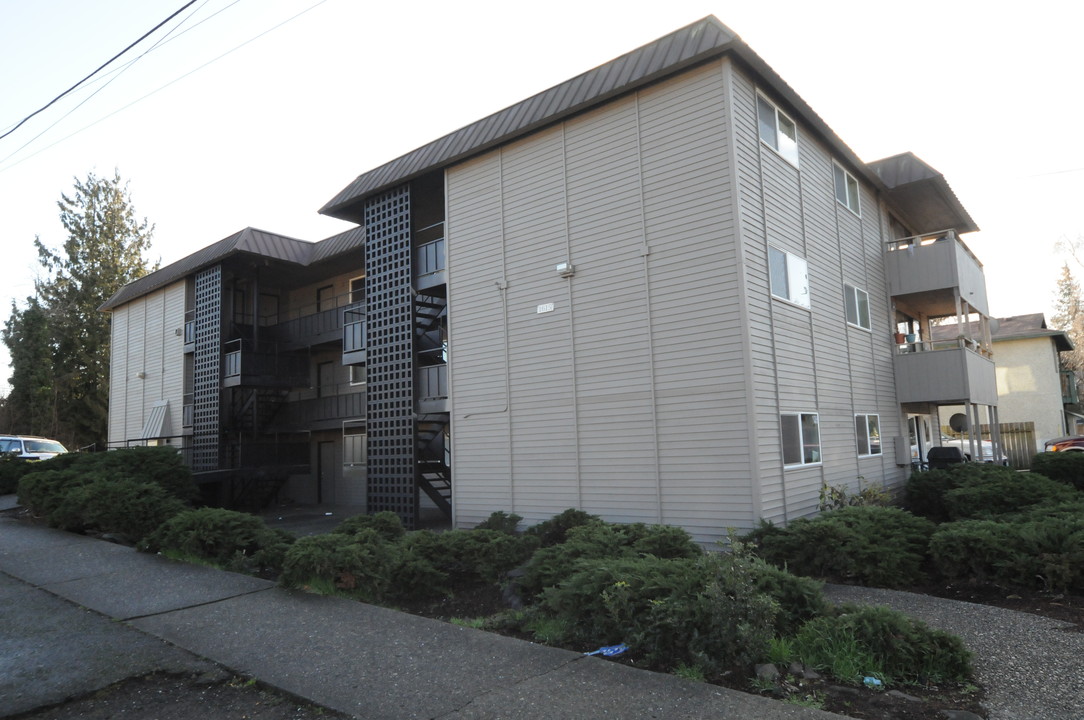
(799, 598)
(555, 530)
(473, 556)
(1045, 553)
(386, 524)
(227, 538)
(858, 641)
(972, 549)
(160, 465)
(871, 545)
(1064, 467)
(43, 490)
(12, 470)
(597, 540)
(1003, 491)
(704, 611)
(501, 522)
(359, 565)
(125, 507)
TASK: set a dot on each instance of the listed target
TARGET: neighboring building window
(867, 431)
(857, 303)
(789, 276)
(777, 131)
(357, 374)
(801, 438)
(846, 189)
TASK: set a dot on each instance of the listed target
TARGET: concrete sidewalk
(78, 614)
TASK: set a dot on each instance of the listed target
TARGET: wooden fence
(1017, 441)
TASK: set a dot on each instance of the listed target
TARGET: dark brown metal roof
(249, 240)
(680, 49)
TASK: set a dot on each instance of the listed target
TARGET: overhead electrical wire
(100, 68)
(168, 37)
(162, 87)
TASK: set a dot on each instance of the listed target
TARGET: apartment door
(325, 472)
(325, 379)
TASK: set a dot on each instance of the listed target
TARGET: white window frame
(864, 434)
(793, 425)
(855, 299)
(792, 284)
(773, 125)
(847, 193)
(353, 381)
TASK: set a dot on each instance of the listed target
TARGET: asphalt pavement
(79, 614)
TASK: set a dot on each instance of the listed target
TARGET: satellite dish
(958, 422)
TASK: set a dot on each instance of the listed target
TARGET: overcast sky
(326, 89)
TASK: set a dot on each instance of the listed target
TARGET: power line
(100, 68)
(120, 71)
(163, 87)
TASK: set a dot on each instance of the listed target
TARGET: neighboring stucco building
(662, 291)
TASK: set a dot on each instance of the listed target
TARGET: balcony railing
(934, 265)
(429, 256)
(949, 375)
(247, 363)
(327, 411)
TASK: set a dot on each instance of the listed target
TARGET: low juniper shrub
(225, 538)
(1064, 467)
(871, 545)
(123, 507)
(555, 530)
(359, 565)
(870, 640)
(386, 524)
(501, 522)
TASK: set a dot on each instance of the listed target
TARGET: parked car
(1072, 443)
(29, 447)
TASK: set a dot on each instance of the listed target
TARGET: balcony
(1069, 394)
(429, 257)
(432, 389)
(932, 272)
(327, 412)
(249, 364)
(950, 372)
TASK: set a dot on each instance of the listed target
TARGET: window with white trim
(777, 131)
(789, 276)
(801, 436)
(846, 189)
(867, 431)
(856, 301)
(357, 375)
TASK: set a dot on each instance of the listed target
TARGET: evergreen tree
(104, 250)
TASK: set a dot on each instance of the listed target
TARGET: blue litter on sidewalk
(609, 650)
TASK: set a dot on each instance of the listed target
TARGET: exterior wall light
(566, 270)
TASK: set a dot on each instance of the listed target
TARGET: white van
(28, 447)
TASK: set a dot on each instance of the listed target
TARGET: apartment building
(661, 291)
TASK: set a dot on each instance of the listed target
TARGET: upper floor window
(867, 431)
(777, 131)
(856, 301)
(801, 436)
(846, 189)
(789, 276)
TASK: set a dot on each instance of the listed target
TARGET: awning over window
(158, 424)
